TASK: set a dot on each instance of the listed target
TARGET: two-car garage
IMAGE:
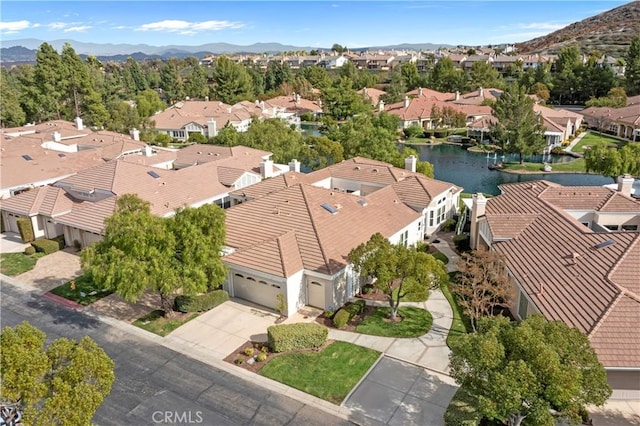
(256, 290)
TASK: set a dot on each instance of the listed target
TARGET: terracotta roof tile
(616, 340)
(279, 256)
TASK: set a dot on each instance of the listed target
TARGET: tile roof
(291, 105)
(364, 169)
(89, 216)
(372, 94)
(204, 153)
(323, 239)
(555, 260)
(273, 184)
(418, 190)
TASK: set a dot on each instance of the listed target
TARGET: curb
(63, 301)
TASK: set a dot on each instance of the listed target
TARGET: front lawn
(329, 374)
(414, 322)
(13, 264)
(156, 323)
(81, 290)
(461, 324)
(593, 139)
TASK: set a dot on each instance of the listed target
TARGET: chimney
(57, 137)
(228, 110)
(266, 168)
(406, 102)
(410, 163)
(135, 134)
(457, 95)
(625, 183)
(148, 152)
(297, 99)
(79, 124)
(211, 128)
(364, 91)
(206, 99)
(381, 105)
(419, 91)
(481, 90)
(294, 166)
(477, 211)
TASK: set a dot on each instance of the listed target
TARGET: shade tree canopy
(531, 372)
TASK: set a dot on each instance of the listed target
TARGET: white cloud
(57, 25)
(541, 26)
(77, 29)
(16, 26)
(189, 28)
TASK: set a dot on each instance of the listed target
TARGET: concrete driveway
(399, 393)
(223, 329)
(53, 270)
(10, 242)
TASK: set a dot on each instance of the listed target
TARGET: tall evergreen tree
(196, 85)
(77, 77)
(632, 68)
(232, 81)
(518, 129)
(49, 85)
(171, 82)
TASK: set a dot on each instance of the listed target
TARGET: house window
(523, 306)
(611, 227)
(431, 217)
(404, 238)
(179, 134)
(629, 227)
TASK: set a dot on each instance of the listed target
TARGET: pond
(310, 129)
(453, 163)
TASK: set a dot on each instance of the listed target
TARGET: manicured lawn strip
(13, 264)
(156, 323)
(329, 374)
(415, 322)
(85, 286)
(577, 165)
(461, 324)
(593, 139)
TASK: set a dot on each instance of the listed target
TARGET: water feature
(453, 163)
(310, 129)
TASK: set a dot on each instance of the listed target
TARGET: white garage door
(256, 290)
(13, 222)
(90, 238)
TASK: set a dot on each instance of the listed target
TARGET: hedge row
(347, 312)
(461, 410)
(289, 337)
(46, 246)
(26, 230)
(200, 303)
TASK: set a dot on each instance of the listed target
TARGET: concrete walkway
(575, 142)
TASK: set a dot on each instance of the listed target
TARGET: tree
(616, 98)
(395, 266)
(61, 384)
(317, 76)
(341, 101)
(232, 81)
(518, 129)
(613, 162)
(148, 103)
(396, 89)
(277, 73)
(171, 82)
(481, 285)
(275, 136)
(338, 48)
(49, 85)
(632, 67)
(320, 152)
(410, 75)
(11, 112)
(482, 74)
(196, 85)
(446, 78)
(529, 370)
(76, 76)
(163, 255)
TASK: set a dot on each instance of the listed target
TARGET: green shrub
(60, 240)
(461, 242)
(25, 229)
(461, 410)
(261, 357)
(248, 351)
(200, 303)
(29, 250)
(289, 337)
(307, 116)
(46, 246)
(341, 318)
(414, 131)
(264, 349)
(238, 361)
(449, 225)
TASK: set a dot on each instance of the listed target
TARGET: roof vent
(199, 152)
(27, 157)
(357, 167)
(329, 208)
(375, 170)
(153, 174)
(362, 202)
(604, 244)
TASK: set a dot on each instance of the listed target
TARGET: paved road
(155, 385)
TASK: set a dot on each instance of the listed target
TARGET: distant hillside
(610, 32)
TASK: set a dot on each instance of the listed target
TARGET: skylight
(27, 157)
(362, 202)
(604, 244)
(61, 155)
(153, 174)
(329, 208)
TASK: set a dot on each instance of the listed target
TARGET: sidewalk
(575, 141)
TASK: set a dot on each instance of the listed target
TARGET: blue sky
(299, 23)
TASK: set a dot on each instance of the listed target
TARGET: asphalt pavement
(155, 385)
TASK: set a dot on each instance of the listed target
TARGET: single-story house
(622, 122)
(572, 254)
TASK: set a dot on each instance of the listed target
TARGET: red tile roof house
(371, 94)
(291, 234)
(623, 122)
(33, 156)
(76, 206)
(573, 254)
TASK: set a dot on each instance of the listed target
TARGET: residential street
(155, 385)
